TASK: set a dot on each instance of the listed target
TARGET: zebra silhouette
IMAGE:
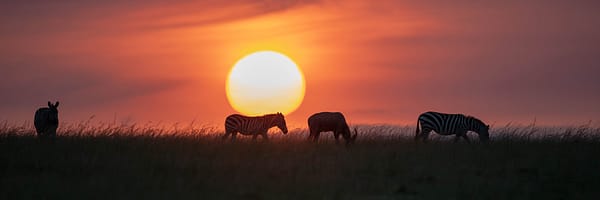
(449, 124)
(254, 126)
(46, 120)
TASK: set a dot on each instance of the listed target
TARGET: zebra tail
(417, 132)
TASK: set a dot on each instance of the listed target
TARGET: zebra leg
(316, 136)
(233, 134)
(46, 134)
(456, 138)
(418, 135)
(462, 134)
(226, 135)
(466, 138)
(425, 135)
(310, 135)
(52, 133)
(43, 133)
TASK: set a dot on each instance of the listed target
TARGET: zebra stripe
(253, 125)
(449, 124)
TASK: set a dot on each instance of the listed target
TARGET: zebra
(254, 126)
(330, 121)
(46, 120)
(448, 124)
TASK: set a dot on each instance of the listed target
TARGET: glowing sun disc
(265, 82)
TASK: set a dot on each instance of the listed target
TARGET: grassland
(105, 161)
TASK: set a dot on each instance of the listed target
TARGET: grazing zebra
(46, 120)
(330, 121)
(448, 124)
(253, 125)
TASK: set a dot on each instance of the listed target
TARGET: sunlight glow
(265, 82)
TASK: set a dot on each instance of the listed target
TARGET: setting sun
(265, 82)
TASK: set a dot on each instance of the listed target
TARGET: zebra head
(477, 126)
(280, 122)
(53, 113)
(482, 129)
(484, 133)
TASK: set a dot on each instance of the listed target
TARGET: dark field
(131, 162)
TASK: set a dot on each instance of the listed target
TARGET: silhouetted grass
(188, 161)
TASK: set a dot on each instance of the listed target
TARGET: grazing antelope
(253, 125)
(46, 121)
(330, 121)
(448, 124)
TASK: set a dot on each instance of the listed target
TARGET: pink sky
(383, 62)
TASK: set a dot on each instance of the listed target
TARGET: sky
(375, 61)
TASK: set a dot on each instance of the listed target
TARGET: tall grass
(191, 161)
(372, 132)
(516, 133)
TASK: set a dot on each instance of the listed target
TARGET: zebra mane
(476, 120)
(272, 115)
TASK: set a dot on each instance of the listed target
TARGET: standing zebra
(330, 121)
(253, 125)
(448, 124)
(46, 120)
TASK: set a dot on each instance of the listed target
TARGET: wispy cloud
(477, 57)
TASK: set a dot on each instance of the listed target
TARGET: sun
(265, 82)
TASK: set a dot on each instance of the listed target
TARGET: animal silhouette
(330, 121)
(46, 120)
(254, 126)
(449, 124)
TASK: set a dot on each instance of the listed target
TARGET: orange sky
(383, 62)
